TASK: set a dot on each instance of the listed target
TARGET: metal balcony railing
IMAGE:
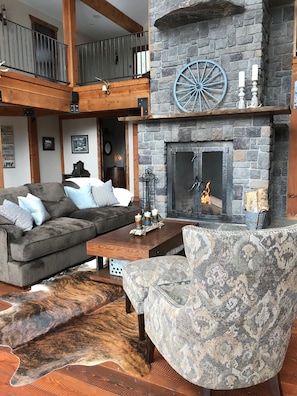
(33, 53)
(119, 58)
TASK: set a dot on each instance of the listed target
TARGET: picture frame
(48, 143)
(80, 144)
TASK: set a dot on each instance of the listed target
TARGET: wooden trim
(1, 163)
(45, 24)
(127, 163)
(33, 150)
(100, 149)
(62, 159)
(292, 174)
(295, 30)
(265, 110)
(136, 163)
(69, 29)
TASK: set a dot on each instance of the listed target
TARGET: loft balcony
(32, 53)
(35, 54)
(114, 59)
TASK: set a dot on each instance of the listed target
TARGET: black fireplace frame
(198, 148)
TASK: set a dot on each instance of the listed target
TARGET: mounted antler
(3, 69)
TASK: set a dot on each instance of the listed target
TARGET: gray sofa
(27, 257)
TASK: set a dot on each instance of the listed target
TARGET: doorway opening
(114, 151)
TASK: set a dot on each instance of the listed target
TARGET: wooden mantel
(264, 110)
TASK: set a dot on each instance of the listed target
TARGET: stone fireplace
(236, 150)
(235, 153)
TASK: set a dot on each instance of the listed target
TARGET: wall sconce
(118, 157)
(105, 86)
(3, 15)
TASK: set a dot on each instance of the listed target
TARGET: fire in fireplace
(200, 180)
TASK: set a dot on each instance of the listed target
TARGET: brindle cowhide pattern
(70, 320)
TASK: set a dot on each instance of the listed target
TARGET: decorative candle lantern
(155, 215)
(138, 221)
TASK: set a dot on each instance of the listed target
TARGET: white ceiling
(90, 22)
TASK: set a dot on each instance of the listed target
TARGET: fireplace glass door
(199, 180)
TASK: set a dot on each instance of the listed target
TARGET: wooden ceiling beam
(114, 14)
(28, 91)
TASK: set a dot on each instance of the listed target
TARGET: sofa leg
(275, 386)
(150, 348)
(141, 331)
(128, 304)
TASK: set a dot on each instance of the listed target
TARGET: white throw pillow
(82, 197)
(34, 205)
(83, 181)
(17, 215)
(123, 195)
(103, 195)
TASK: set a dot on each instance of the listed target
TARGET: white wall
(19, 13)
(81, 126)
(21, 173)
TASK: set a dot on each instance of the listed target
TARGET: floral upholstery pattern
(139, 275)
(229, 327)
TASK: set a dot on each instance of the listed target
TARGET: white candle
(241, 80)
(154, 212)
(255, 73)
(138, 217)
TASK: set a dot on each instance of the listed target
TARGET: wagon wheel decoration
(200, 86)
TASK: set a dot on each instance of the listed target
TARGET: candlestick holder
(241, 102)
(254, 100)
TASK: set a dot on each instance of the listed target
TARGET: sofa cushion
(12, 193)
(82, 181)
(123, 195)
(53, 197)
(103, 195)
(52, 236)
(35, 207)
(81, 197)
(108, 218)
(17, 215)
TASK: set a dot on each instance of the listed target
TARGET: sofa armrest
(8, 233)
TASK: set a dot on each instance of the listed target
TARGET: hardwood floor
(108, 379)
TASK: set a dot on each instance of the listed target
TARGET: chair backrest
(242, 303)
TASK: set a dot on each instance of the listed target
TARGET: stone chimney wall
(262, 34)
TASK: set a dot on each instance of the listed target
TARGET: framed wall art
(79, 144)
(7, 146)
(48, 143)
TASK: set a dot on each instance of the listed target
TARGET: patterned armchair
(229, 327)
(139, 275)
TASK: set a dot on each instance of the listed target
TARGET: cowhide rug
(70, 320)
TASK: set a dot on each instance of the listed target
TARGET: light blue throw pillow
(103, 195)
(34, 206)
(18, 216)
(81, 197)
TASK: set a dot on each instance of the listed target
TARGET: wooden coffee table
(122, 245)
